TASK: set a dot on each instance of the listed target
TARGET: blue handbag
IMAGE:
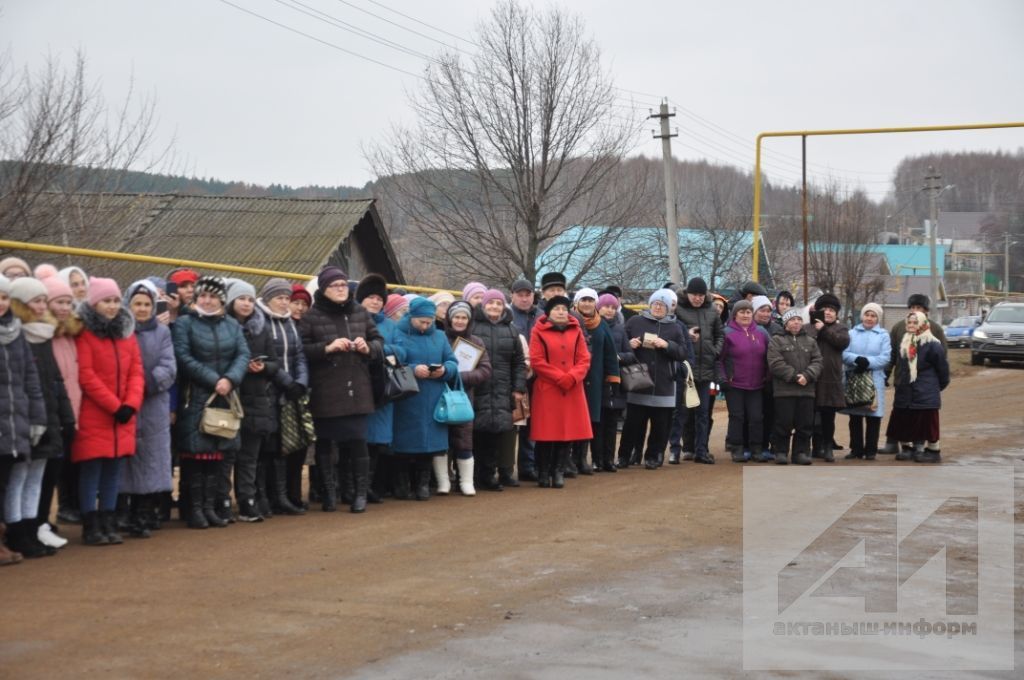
(454, 406)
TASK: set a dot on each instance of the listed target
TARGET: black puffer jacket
(493, 400)
(340, 381)
(257, 389)
(21, 397)
(59, 416)
(709, 342)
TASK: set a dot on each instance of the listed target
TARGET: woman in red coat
(110, 373)
(559, 413)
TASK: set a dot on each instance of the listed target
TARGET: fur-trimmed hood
(121, 326)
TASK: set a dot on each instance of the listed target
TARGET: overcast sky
(248, 100)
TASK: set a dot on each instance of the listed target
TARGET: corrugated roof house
(636, 258)
(285, 234)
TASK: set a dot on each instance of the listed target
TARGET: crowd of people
(105, 391)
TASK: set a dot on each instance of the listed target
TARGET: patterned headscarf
(912, 341)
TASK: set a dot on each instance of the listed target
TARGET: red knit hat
(299, 292)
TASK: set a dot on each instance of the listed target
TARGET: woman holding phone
(418, 437)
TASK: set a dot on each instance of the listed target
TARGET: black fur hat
(828, 300)
(920, 300)
(372, 284)
(553, 279)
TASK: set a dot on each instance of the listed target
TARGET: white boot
(444, 482)
(46, 536)
(465, 476)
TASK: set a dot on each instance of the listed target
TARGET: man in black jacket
(691, 428)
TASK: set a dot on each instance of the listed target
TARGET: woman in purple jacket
(744, 367)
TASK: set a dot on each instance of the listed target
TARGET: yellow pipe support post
(174, 262)
(853, 131)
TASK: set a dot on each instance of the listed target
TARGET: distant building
(283, 234)
(636, 258)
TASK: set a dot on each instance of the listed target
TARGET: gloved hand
(124, 414)
(566, 382)
(295, 391)
(35, 433)
(861, 363)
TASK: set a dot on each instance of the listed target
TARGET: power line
(404, 28)
(321, 41)
(423, 23)
(351, 28)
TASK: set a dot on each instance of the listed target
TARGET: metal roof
(288, 234)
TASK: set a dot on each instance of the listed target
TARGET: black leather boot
(423, 471)
(374, 491)
(210, 477)
(827, 455)
(108, 525)
(542, 460)
(507, 478)
(91, 534)
(137, 524)
(328, 476)
(348, 484)
(196, 517)
(801, 458)
(561, 462)
(906, 453)
(21, 538)
(782, 457)
(360, 482)
(283, 503)
(400, 471)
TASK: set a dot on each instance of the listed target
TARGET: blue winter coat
(21, 396)
(380, 423)
(604, 362)
(208, 348)
(875, 346)
(149, 470)
(416, 431)
(932, 378)
(615, 397)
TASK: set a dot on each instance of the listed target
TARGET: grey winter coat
(21, 397)
(789, 356)
(149, 470)
(709, 341)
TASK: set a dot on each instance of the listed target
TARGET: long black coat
(932, 378)
(59, 416)
(832, 339)
(259, 398)
(710, 340)
(340, 381)
(492, 400)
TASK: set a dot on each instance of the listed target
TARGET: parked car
(958, 333)
(1001, 336)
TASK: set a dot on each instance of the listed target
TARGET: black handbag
(393, 382)
(636, 377)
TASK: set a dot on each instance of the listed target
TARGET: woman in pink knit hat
(110, 372)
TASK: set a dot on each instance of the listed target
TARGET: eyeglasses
(338, 285)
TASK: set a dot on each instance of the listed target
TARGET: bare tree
(58, 138)
(841, 259)
(511, 146)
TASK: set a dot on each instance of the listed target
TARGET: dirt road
(500, 585)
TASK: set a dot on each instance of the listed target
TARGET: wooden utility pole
(672, 235)
(933, 186)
